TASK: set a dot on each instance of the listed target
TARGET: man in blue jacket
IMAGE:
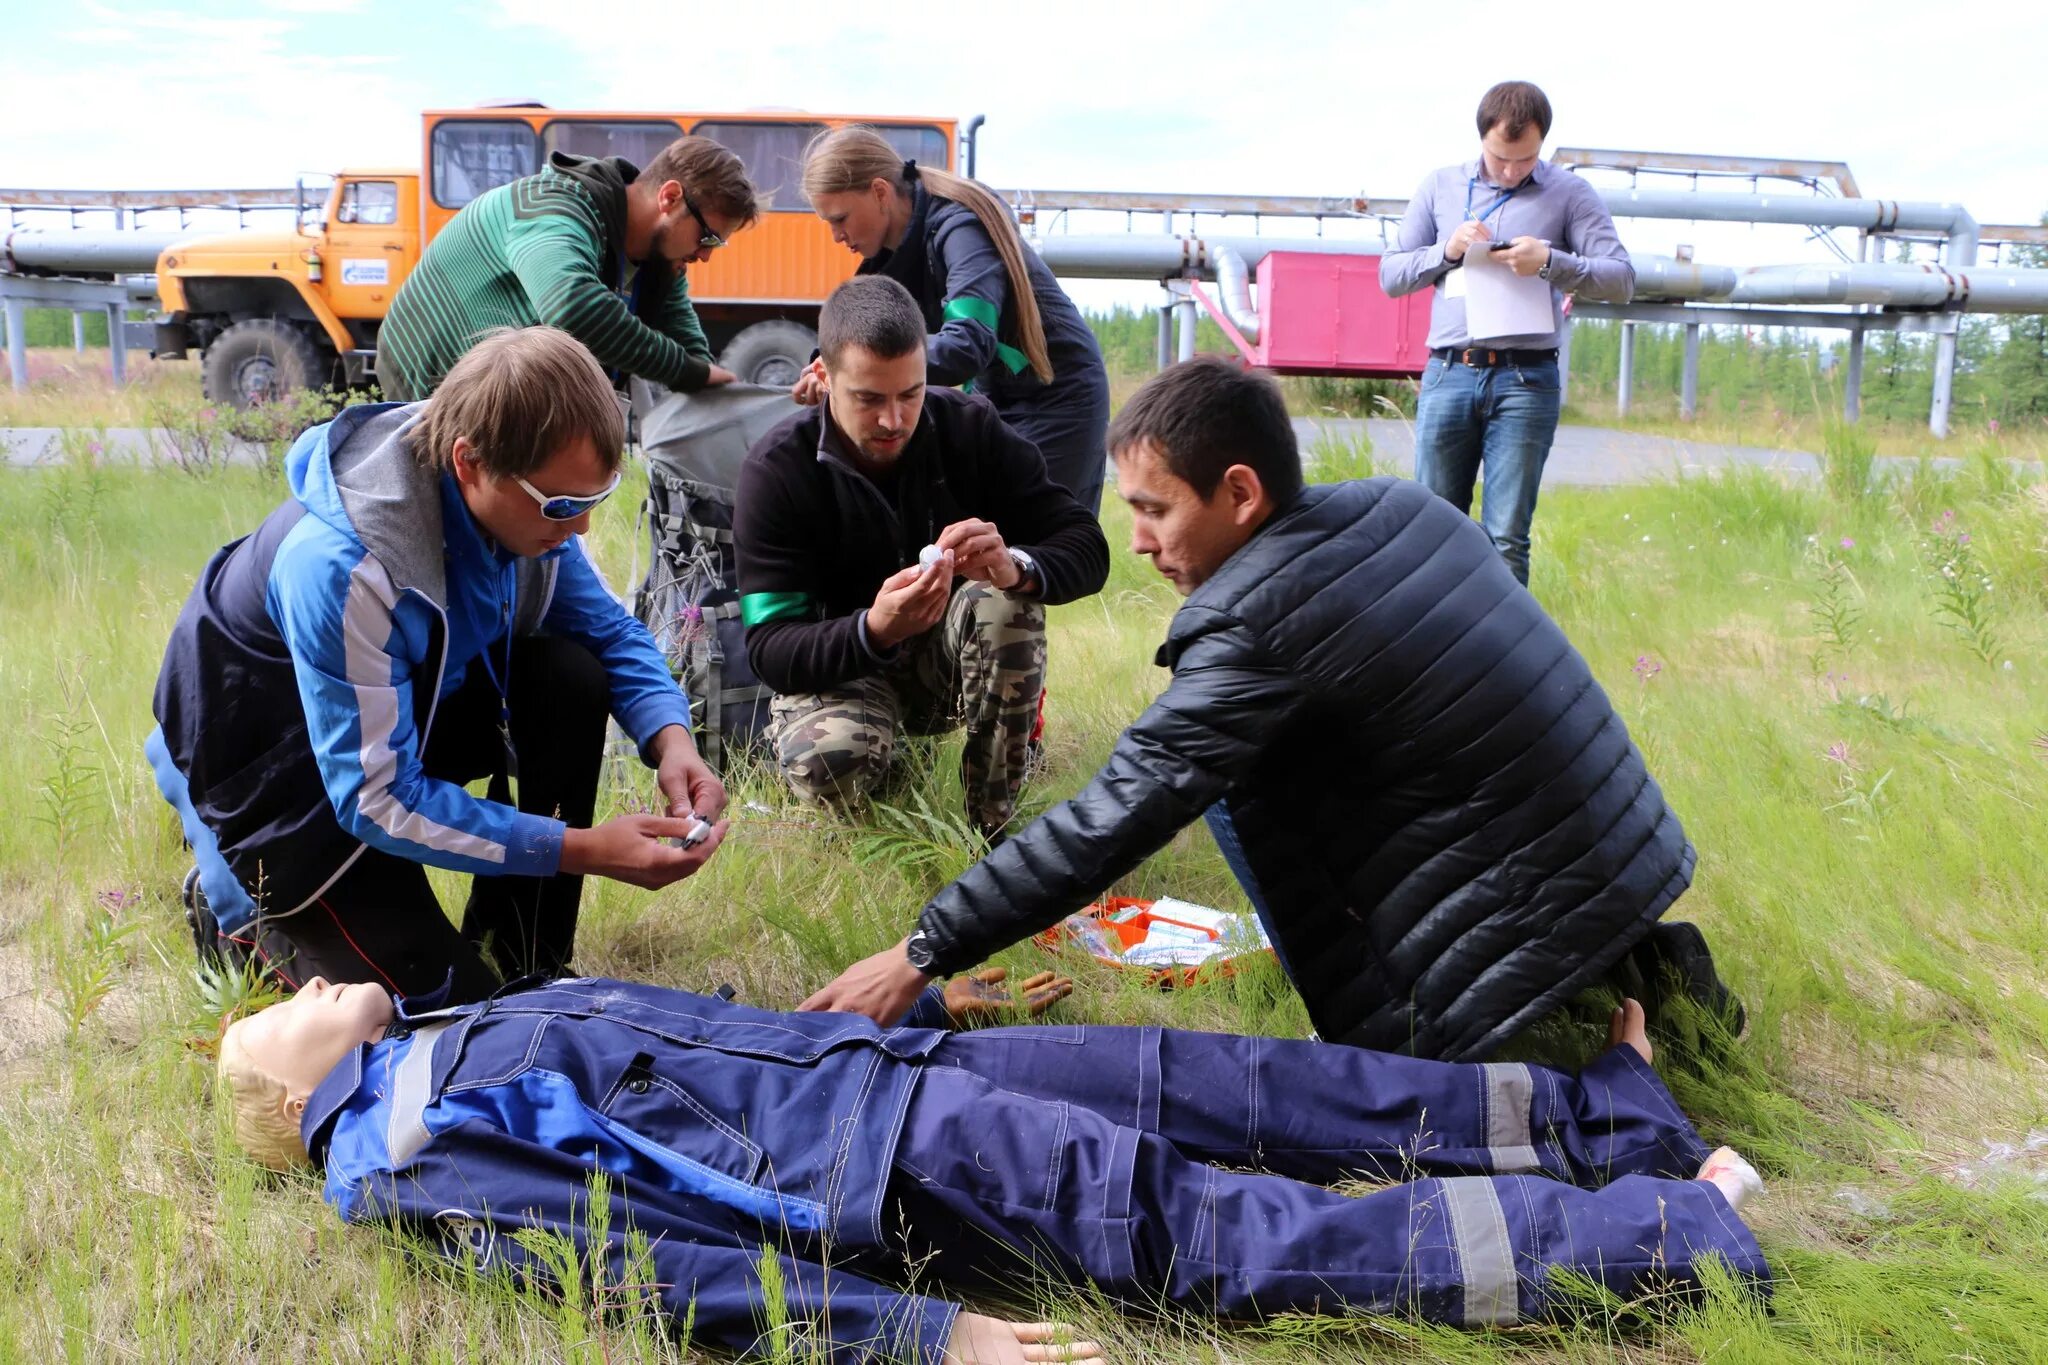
(419, 614)
(730, 1136)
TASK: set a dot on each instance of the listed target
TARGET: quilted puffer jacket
(1448, 822)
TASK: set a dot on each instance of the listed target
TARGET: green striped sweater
(538, 251)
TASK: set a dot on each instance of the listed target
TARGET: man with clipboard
(1504, 239)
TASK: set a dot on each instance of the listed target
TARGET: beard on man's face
(657, 249)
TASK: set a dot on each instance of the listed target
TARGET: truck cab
(273, 312)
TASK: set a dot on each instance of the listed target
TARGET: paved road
(1590, 456)
(44, 445)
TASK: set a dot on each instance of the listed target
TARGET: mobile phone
(1498, 246)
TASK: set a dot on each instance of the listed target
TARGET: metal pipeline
(1665, 277)
(1230, 260)
(30, 251)
(1234, 293)
(1898, 286)
(1873, 215)
(1139, 256)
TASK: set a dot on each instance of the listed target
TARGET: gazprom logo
(463, 1232)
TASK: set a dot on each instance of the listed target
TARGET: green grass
(1867, 795)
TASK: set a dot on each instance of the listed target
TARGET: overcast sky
(1274, 97)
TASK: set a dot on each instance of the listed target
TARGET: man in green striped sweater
(557, 248)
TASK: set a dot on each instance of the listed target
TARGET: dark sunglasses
(706, 238)
(562, 508)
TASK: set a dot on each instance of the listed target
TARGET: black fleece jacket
(815, 537)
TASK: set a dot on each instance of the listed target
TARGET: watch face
(919, 951)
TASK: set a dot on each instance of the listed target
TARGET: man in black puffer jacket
(1432, 804)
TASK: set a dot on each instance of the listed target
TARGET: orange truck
(271, 312)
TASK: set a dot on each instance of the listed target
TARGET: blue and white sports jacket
(725, 1133)
(301, 679)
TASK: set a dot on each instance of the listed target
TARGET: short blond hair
(259, 1105)
(519, 396)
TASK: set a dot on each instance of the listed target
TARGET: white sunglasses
(561, 507)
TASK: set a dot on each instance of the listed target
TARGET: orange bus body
(786, 260)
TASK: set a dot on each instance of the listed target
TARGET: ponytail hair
(855, 156)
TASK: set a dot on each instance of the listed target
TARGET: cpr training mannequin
(725, 1130)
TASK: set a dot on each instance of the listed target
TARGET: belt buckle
(1465, 356)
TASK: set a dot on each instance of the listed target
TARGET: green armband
(969, 309)
(759, 608)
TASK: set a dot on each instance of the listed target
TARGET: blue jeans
(1502, 418)
(1225, 835)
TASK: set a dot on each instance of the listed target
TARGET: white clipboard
(1500, 303)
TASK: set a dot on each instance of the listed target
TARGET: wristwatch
(918, 948)
(1027, 566)
(1544, 272)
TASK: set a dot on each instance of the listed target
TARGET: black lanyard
(504, 694)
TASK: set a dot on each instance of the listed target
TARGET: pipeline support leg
(78, 332)
(1628, 368)
(1689, 381)
(117, 342)
(1852, 383)
(1166, 331)
(17, 342)
(1944, 383)
(1186, 309)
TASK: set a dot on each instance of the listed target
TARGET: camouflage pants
(982, 666)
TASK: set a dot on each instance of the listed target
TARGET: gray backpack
(695, 444)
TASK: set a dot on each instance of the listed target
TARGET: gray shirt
(1553, 205)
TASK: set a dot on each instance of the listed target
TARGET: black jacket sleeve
(1038, 516)
(977, 287)
(1200, 738)
(792, 646)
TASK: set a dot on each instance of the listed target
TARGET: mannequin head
(273, 1060)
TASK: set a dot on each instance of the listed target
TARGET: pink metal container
(1322, 314)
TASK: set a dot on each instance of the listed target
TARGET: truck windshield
(371, 202)
(474, 155)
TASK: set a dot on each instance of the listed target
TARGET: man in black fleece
(897, 549)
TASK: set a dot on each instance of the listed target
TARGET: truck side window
(917, 142)
(773, 154)
(373, 203)
(637, 140)
(474, 155)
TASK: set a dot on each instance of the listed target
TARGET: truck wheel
(262, 361)
(773, 353)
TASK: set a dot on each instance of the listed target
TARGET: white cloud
(1282, 97)
(1334, 97)
(230, 101)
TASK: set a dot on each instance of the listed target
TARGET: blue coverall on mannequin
(725, 1130)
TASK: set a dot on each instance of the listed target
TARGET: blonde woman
(998, 321)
